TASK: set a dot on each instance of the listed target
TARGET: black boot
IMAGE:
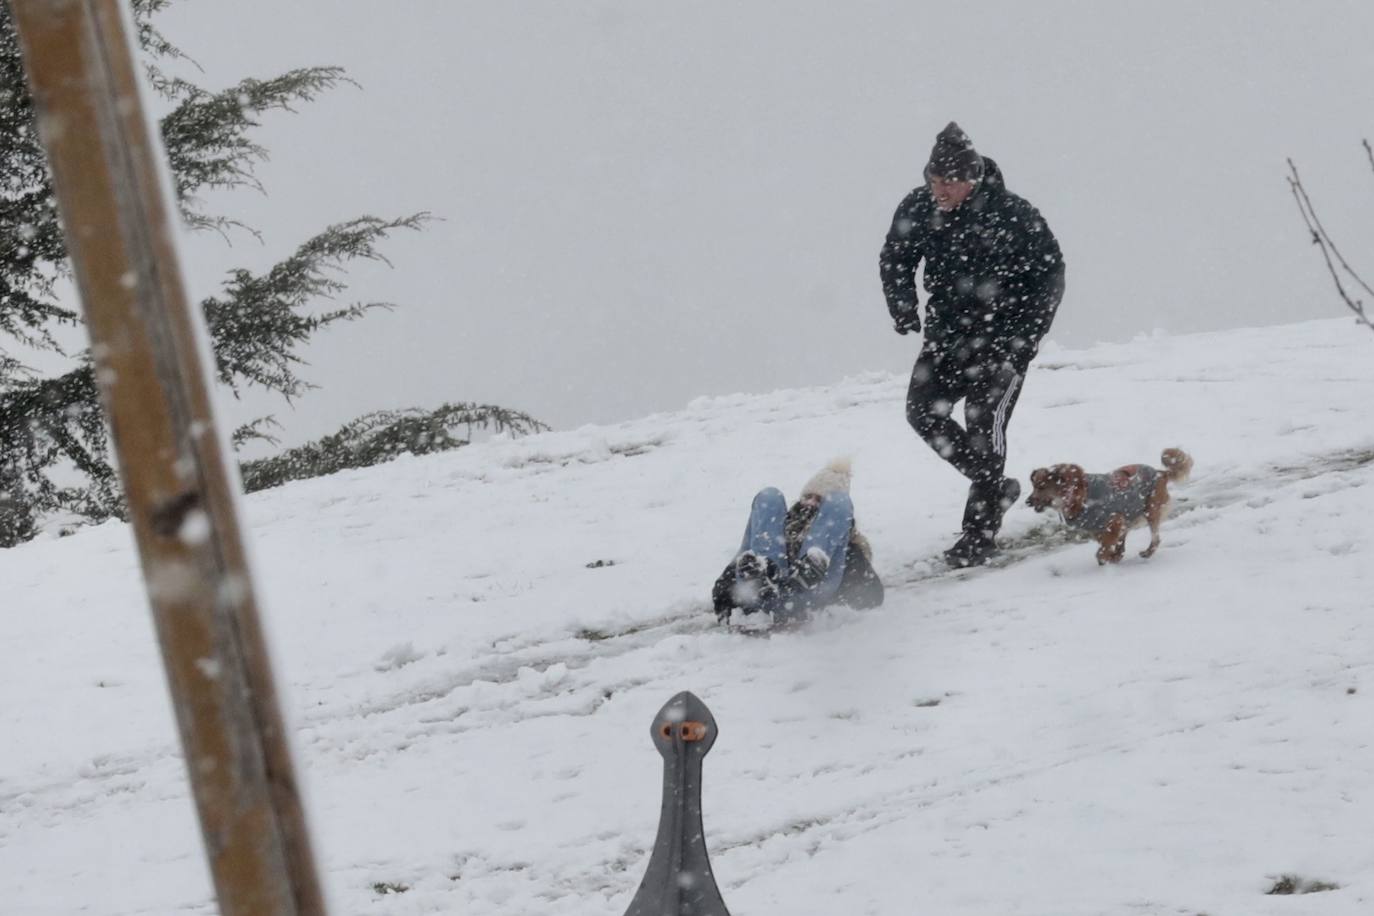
(972, 549)
(988, 502)
(755, 585)
(1008, 492)
(750, 565)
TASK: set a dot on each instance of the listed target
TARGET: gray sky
(645, 202)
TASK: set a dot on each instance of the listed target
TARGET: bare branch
(1330, 253)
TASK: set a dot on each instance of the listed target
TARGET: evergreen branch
(380, 436)
(255, 431)
(207, 134)
(11, 369)
(150, 39)
(44, 422)
(259, 323)
(197, 221)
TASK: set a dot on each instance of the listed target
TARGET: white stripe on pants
(999, 418)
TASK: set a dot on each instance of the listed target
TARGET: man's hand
(907, 322)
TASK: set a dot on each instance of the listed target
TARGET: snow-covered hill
(1170, 736)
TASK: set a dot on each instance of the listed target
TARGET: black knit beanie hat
(954, 156)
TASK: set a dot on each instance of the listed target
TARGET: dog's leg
(1112, 541)
(1155, 509)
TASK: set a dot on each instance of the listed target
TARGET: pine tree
(54, 454)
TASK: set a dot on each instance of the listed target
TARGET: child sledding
(795, 560)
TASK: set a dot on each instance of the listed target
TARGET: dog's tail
(1178, 464)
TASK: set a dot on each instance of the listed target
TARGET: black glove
(811, 568)
(905, 322)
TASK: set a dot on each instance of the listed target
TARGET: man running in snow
(994, 277)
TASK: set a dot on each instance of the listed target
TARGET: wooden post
(151, 366)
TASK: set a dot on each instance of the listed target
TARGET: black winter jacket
(993, 268)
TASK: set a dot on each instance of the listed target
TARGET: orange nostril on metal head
(692, 731)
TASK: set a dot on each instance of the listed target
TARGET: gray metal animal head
(678, 881)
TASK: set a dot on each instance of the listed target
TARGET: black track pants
(989, 390)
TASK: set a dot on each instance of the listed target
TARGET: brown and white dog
(1108, 505)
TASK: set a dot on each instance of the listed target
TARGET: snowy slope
(1169, 736)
